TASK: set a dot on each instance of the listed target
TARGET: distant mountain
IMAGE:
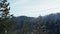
(21, 19)
(49, 21)
(33, 20)
(52, 16)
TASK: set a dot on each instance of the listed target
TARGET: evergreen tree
(38, 27)
(25, 28)
(5, 18)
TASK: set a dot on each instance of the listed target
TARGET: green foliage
(38, 28)
(25, 27)
(5, 18)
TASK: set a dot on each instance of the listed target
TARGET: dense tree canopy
(5, 22)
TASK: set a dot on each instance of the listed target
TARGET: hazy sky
(34, 8)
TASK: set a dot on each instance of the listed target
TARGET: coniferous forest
(9, 24)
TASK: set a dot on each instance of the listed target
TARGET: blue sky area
(34, 8)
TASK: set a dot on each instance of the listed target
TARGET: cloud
(34, 7)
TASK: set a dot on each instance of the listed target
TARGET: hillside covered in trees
(49, 24)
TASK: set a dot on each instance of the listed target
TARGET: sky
(34, 8)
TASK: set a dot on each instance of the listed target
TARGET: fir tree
(5, 18)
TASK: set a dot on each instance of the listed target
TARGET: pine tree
(38, 27)
(25, 28)
(5, 18)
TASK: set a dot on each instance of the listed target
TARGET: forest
(9, 24)
(49, 24)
